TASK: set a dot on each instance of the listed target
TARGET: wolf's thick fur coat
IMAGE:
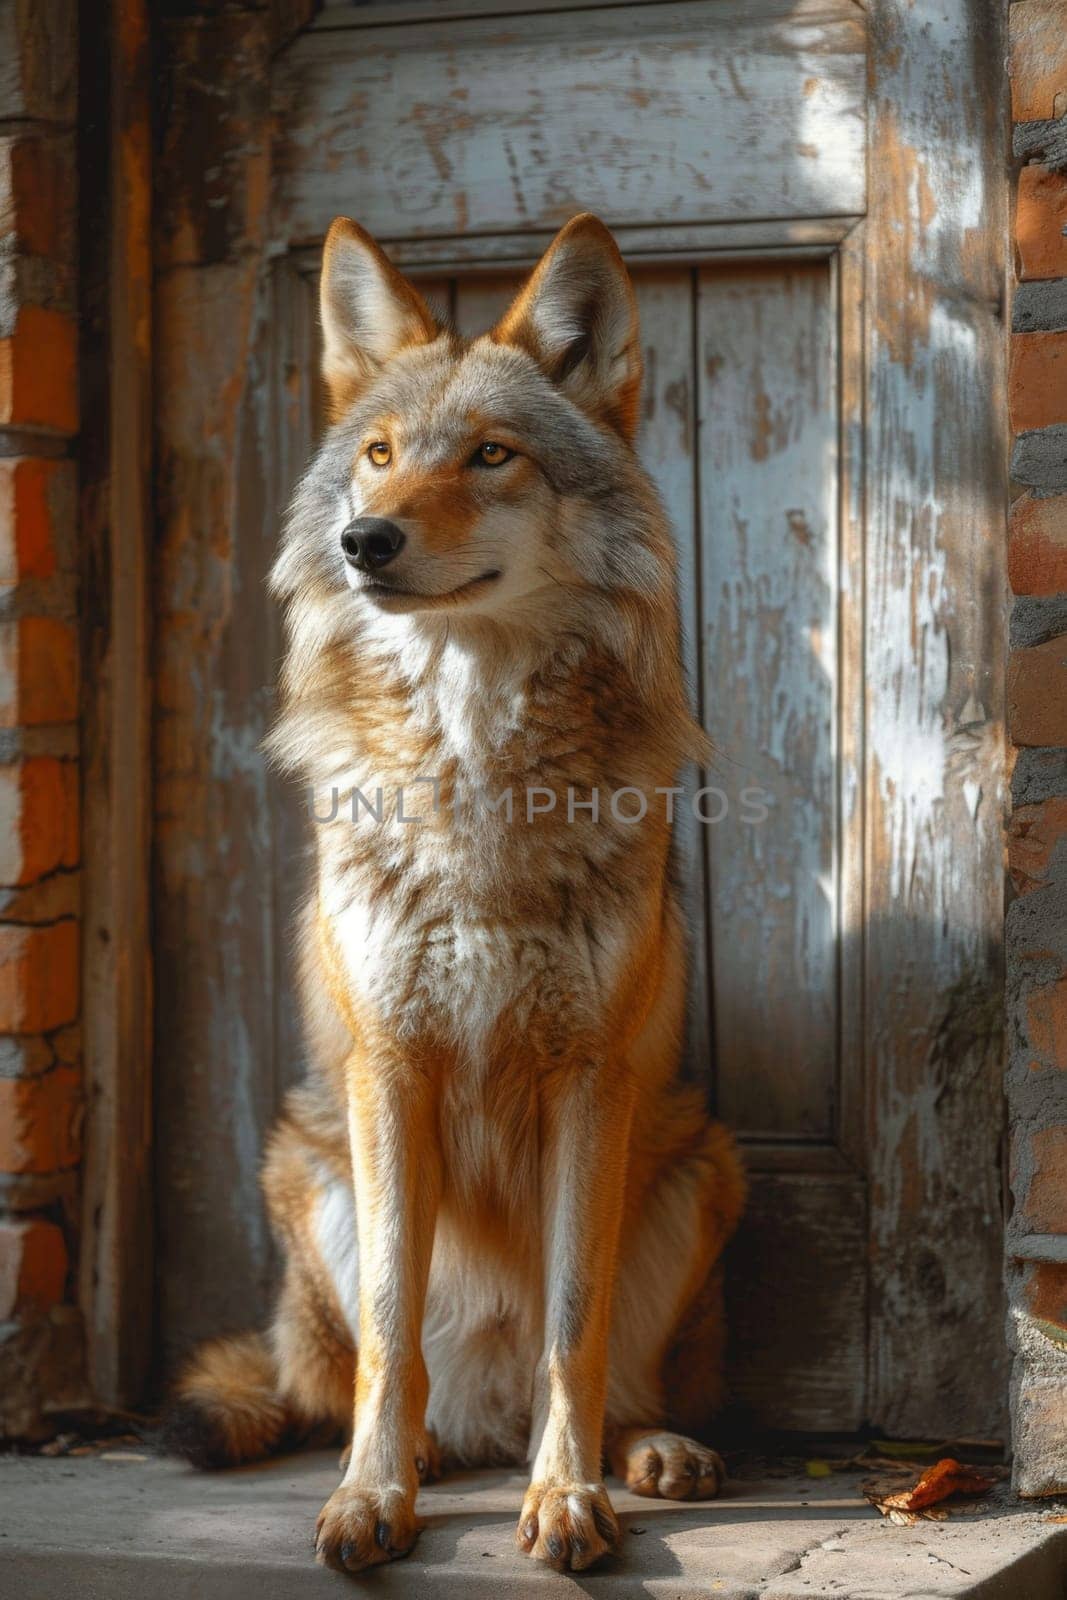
(502, 1210)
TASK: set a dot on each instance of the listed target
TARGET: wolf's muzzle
(371, 542)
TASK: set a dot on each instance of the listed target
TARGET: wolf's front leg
(567, 1517)
(396, 1160)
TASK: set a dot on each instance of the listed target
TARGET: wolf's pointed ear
(368, 312)
(577, 316)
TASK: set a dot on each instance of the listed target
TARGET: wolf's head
(491, 478)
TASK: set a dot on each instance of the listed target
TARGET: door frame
(115, 608)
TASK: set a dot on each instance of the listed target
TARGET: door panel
(768, 538)
(482, 125)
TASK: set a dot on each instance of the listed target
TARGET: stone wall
(1036, 933)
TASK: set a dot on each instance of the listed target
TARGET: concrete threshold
(123, 1526)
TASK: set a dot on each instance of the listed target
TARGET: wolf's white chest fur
(442, 946)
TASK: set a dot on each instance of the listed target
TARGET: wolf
(502, 1206)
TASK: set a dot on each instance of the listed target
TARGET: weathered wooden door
(818, 345)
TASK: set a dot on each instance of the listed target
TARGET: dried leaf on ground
(922, 1500)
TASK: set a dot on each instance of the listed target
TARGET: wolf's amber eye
(380, 453)
(491, 455)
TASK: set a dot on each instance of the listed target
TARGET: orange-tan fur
(493, 1185)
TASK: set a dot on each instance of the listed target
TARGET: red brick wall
(40, 1071)
(1037, 726)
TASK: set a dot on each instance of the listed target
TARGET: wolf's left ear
(369, 312)
(577, 316)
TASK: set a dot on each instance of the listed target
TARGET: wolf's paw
(363, 1527)
(569, 1525)
(673, 1467)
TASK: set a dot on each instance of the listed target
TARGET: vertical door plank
(115, 537)
(769, 579)
(935, 673)
(215, 660)
(215, 896)
(666, 443)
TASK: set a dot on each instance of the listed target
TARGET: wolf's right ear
(368, 311)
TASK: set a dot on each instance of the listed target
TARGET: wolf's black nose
(371, 542)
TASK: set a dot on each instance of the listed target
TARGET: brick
(37, 517)
(33, 1267)
(40, 1122)
(51, 821)
(1045, 1203)
(1035, 833)
(37, 187)
(1046, 1293)
(1037, 694)
(48, 671)
(1037, 380)
(1040, 218)
(39, 371)
(38, 819)
(1046, 1025)
(1038, 1434)
(38, 976)
(1037, 31)
(1037, 545)
(38, 672)
(38, 59)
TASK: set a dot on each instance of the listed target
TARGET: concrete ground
(122, 1526)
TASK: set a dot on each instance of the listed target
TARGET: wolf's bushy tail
(227, 1408)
